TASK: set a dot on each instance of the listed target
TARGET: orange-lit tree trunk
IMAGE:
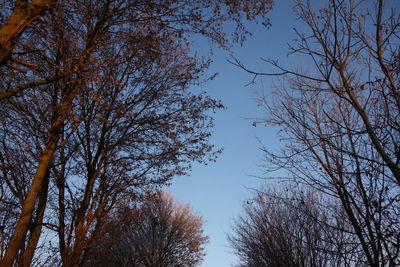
(23, 15)
(83, 221)
(27, 256)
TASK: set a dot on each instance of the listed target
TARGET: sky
(217, 190)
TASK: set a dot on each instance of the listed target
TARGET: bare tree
(340, 118)
(159, 232)
(292, 228)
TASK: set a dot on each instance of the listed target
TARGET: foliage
(159, 232)
(97, 105)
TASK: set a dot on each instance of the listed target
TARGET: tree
(133, 137)
(292, 227)
(160, 232)
(339, 119)
(105, 91)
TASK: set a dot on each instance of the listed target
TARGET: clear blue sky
(218, 190)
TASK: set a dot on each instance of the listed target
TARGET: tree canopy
(97, 105)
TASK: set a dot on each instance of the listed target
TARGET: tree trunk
(80, 229)
(27, 256)
(23, 15)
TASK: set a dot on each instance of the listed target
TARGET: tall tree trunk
(27, 256)
(80, 228)
(61, 208)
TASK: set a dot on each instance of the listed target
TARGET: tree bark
(23, 15)
(27, 256)
(16, 90)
